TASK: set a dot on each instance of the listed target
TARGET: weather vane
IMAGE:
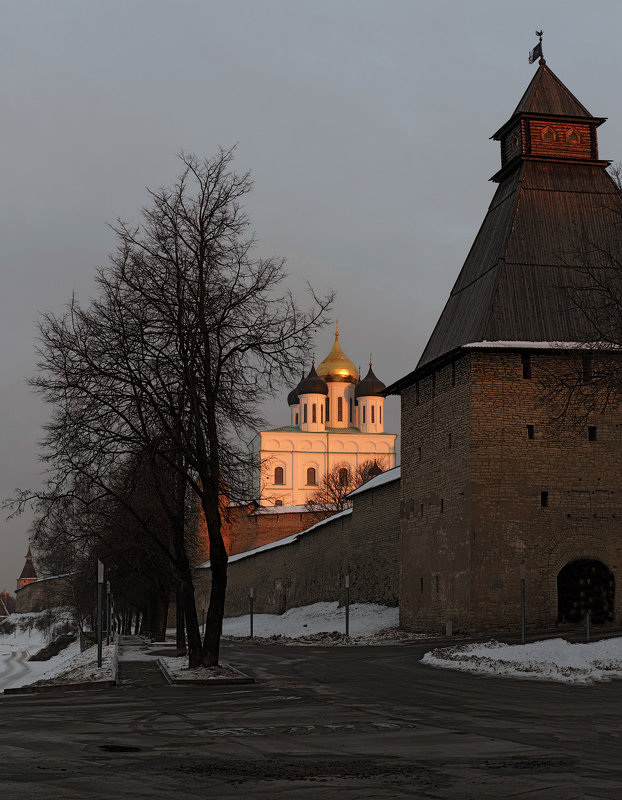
(537, 51)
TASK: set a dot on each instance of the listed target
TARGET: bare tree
(189, 333)
(338, 482)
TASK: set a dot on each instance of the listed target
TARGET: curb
(241, 677)
(61, 687)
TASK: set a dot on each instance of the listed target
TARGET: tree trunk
(180, 619)
(218, 589)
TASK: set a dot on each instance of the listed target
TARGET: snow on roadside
(366, 619)
(549, 660)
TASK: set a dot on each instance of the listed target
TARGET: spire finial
(370, 362)
(336, 329)
(537, 51)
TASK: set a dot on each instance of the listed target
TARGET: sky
(365, 123)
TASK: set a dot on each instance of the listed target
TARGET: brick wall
(312, 568)
(473, 510)
(435, 499)
(43, 593)
(247, 527)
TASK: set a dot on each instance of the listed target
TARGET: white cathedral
(336, 421)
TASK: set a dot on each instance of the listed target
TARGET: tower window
(343, 477)
(296, 418)
(442, 505)
(313, 413)
(572, 137)
(321, 413)
(421, 584)
(311, 480)
(531, 432)
(340, 409)
(449, 440)
(372, 415)
(363, 414)
(304, 413)
(419, 453)
(544, 499)
(279, 478)
(526, 362)
(591, 433)
(586, 366)
(351, 411)
(421, 510)
(380, 415)
(548, 134)
(327, 409)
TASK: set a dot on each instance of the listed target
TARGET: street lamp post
(100, 598)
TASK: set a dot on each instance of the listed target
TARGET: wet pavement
(363, 722)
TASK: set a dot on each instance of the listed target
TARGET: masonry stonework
(312, 567)
(473, 510)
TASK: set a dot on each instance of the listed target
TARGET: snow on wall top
(373, 483)
(280, 542)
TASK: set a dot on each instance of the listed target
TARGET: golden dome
(337, 366)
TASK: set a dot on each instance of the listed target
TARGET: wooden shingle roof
(549, 208)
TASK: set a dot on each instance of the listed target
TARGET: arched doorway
(585, 585)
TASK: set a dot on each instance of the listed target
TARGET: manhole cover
(119, 748)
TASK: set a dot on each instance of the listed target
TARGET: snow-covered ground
(30, 635)
(549, 660)
(366, 619)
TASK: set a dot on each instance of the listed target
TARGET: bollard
(347, 604)
(522, 602)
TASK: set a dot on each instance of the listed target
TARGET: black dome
(370, 386)
(312, 384)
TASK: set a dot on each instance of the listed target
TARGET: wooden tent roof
(546, 94)
(545, 213)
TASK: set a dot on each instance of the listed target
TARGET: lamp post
(107, 612)
(522, 602)
(100, 597)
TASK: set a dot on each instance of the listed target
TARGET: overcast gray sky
(366, 125)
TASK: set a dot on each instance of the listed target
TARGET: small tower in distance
(29, 574)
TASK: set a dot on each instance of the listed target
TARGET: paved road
(319, 723)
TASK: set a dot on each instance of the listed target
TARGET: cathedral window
(363, 415)
(279, 477)
(340, 409)
(321, 413)
(372, 415)
(351, 412)
(304, 413)
(311, 479)
(343, 477)
(327, 409)
(380, 415)
(313, 413)
(296, 418)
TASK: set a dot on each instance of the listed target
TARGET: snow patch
(549, 660)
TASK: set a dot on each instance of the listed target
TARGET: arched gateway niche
(585, 585)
